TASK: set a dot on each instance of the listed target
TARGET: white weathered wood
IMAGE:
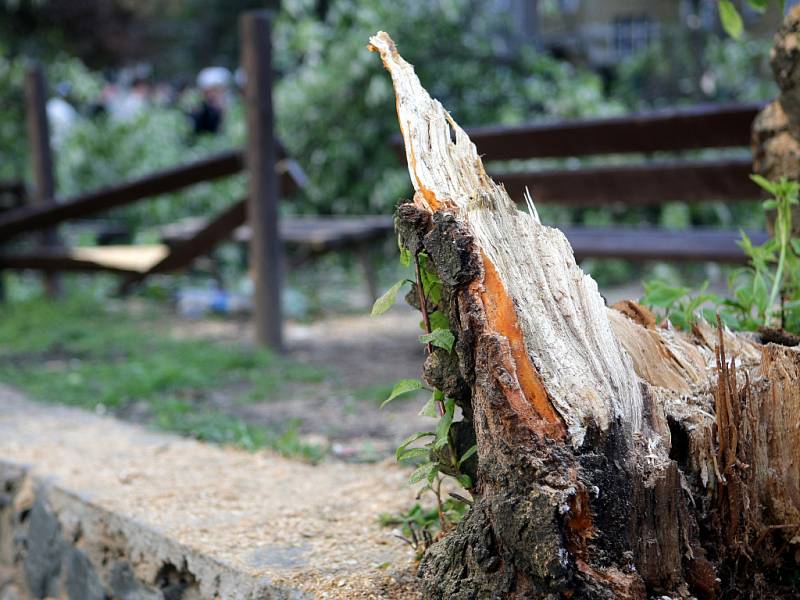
(562, 316)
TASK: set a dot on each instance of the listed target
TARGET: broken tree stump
(616, 458)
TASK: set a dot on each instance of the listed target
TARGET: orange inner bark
(502, 318)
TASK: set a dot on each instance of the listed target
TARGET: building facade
(603, 32)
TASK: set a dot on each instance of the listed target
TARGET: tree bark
(776, 130)
(616, 458)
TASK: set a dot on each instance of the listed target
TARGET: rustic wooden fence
(667, 174)
(259, 157)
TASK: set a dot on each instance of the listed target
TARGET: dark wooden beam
(311, 233)
(263, 193)
(41, 159)
(13, 188)
(631, 243)
(637, 185)
(676, 129)
(652, 243)
(31, 218)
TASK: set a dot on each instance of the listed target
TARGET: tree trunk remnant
(616, 458)
(776, 130)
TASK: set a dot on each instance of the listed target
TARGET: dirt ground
(362, 356)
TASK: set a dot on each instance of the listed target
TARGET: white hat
(213, 77)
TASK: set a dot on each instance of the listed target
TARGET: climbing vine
(434, 452)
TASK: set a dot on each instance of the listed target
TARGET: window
(632, 34)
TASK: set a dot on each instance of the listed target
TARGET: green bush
(101, 151)
(685, 67)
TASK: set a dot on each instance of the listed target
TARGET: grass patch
(215, 426)
(79, 352)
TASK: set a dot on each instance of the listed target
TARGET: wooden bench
(262, 158)
(315, 235)
(651, 182)
(306, 237)
(659, 164)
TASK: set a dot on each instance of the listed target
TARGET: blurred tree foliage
(687, 67)
(84, 87)
(101, 151)
(13, 157)
(102, 33)
(335, 106)
(98, 151)
(177, 36)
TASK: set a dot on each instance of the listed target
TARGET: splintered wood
(564, 328)
(617, 458)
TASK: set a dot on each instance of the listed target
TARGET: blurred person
(213, 83)
(163, 94)
(60, 114)
(128, 105)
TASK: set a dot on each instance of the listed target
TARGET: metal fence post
(41, 158)
(263, 192)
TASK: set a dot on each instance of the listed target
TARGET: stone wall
(53, 545)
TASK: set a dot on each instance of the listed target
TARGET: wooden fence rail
(642, 184)
(35, 217)
(672, 130)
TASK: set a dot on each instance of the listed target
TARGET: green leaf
(411, 439)
(438, 320)
(442, 338)
(468, 454)
(465, 481)
(758, 5)
(443, 428)
(795, 242)
(764, 183)
(388, 299)
(422, 472)
(413, 453)
(403, 386)
(659, 294)
(405, 257)
(730, 18)
(431, 284)
(430, 409)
